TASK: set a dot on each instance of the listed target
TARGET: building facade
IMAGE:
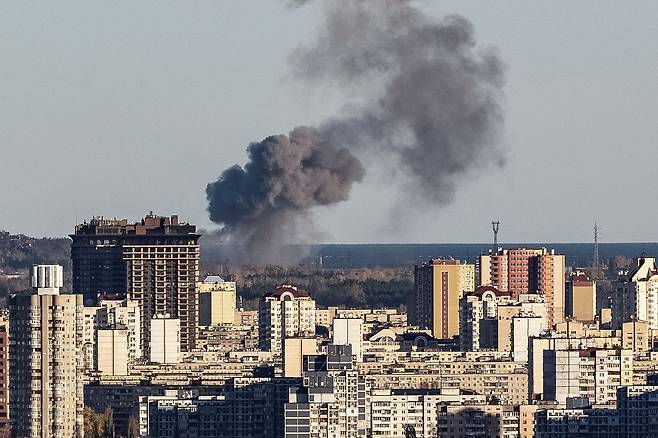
(4, 378)
(636, 297)
(154, 261)
(46, 385)
(217, 300)
(438, 287)
(165, 339)
(523, 271)
(581, 297)
(285, 313)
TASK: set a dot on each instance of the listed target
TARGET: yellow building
(216, 301)
(439, 285)
(294, 350)
(581, 297)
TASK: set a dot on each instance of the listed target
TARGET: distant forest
(385, 287)
(368, 287)
(365, 287)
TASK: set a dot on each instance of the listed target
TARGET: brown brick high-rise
(154, 261)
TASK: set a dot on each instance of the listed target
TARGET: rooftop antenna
(495, 226)
(596, 264)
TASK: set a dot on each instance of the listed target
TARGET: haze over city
(105, 110)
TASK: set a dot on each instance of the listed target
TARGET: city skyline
(89, 115)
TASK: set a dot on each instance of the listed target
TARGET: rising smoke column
(426, 92)
(266, 203)
(418, 90)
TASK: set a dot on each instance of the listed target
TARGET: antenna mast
(596, 264)
(495, 226)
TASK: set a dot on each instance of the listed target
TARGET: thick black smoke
(266, 203)
(418, 90)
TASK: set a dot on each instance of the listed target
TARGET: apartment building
(493, 320)
(331, 401)
(45, 334)
(581, 297)
(217, 299)
(154, 261)
(523, 271)
(591, 372)
(4, 377)
(285, 312)
(636, 298)
(396, 412)
(438, 287)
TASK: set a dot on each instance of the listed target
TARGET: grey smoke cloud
(266, 203)
(436, 102)
(419, 90)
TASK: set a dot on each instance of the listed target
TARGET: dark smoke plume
(418, 91)
(266, 203)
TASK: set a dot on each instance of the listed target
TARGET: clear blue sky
(117, 108)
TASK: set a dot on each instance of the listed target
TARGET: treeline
(19, 252)
(371, 288)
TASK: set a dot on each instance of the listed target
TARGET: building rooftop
(482, 289)
(151, 224)
(286, 288)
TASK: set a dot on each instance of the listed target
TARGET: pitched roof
(482, 289)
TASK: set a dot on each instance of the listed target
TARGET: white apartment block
(112, 356)
(45, 358)
(637, 298)
(111, 314)
(165, 338)
(395, 411)
(126, 313)
(593, 373)
(286, 312)
(348, 331)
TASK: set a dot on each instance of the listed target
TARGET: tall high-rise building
(4, 378)
(285, 313)
(522, 271)
(154, 261)
(46, 385)
(438, 287)
(216, 301)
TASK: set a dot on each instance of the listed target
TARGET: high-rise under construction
(154, 261)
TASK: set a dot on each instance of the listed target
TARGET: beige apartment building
(112, 355)
(217, 299)
(581, 297)
(287, 312)
(438, 287)
(46, 385)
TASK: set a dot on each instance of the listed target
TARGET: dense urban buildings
(438, 287)
(154, 262)
(524, 352)
(46, 369)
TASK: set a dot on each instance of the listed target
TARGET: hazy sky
(118, 108)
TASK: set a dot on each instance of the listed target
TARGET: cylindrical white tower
(47, 279)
